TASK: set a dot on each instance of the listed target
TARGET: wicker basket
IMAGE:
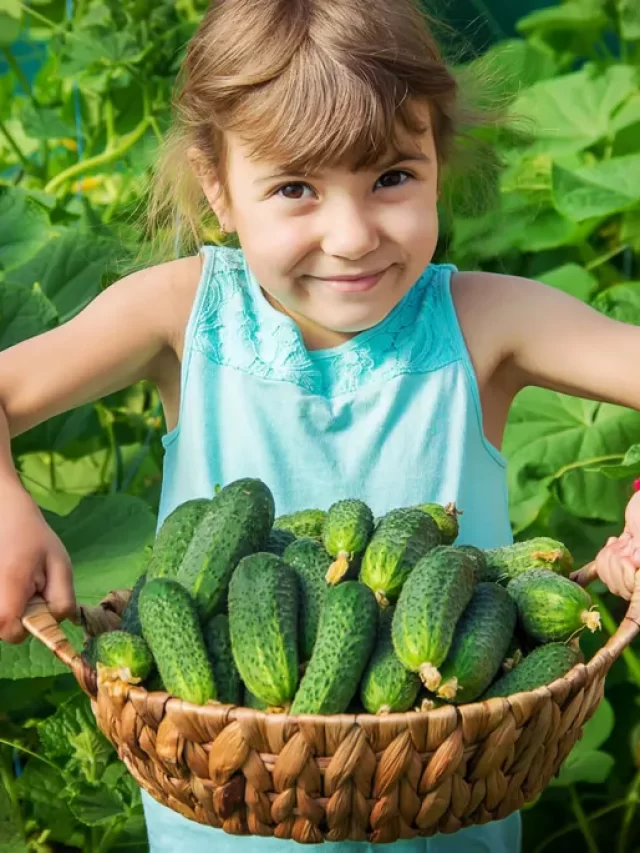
(357, 777)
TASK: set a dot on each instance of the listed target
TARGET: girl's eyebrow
(394, 159)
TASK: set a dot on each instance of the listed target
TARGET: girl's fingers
(628, 575)
(609, 571)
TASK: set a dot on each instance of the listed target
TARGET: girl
(328, 356)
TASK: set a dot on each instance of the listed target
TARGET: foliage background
(84, 99)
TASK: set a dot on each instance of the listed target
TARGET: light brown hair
(306, 83)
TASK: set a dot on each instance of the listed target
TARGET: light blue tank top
(392, 416)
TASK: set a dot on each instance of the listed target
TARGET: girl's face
(301, 235)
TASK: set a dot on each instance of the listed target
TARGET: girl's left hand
(619, 560)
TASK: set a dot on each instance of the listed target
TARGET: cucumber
(480, 642)
(482, 571)
(217, 641)
(345, 534)
(305, 523)
(346, 635)
(386, 685)
(310, 562)
(541, 666)
(173, 538)
(431, 602)
(446, 517)
(128, 653)
(263, 619)
(539, 553)
(171, 627)
(251, 701)
(237, 523)
(130, 620)
(278, 541)
(551, 607)
(400, 539)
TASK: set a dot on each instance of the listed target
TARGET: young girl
(328, 356)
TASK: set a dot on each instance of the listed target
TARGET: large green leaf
(572, 279)
(69, 269)
(67, 434)
(600, 190)
(629, 11)
(24, 227)
(622, 302)
(24, 313)
(552, 439)
(32, 659)
(574, 112)
(586, 762)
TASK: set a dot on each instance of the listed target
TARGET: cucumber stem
(449, 688)
(381, 598)
(338, 569)
(383, 709)
(591, 618)
(430, 676)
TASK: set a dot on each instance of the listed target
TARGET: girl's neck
(315, 337)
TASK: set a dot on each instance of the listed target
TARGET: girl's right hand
(33, 561)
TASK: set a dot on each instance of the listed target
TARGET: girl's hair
(304, 83)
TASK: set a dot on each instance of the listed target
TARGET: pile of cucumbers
(323, 612)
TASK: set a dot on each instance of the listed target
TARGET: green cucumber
(482, 571)
(128, 653)
(540, 667)
(551, 607)
(400, 539)
(346, 636)
(171, 627)
(386, 685)
(237, 523)
(251, 701)
(310, 562)
(130, 620)
(480, 642)
(540, 553)
(173, 538)
(279, 541)
(432, 601)
(446, 517)
(345, 534)
(305, 523)
(218, 644)
(263, 620)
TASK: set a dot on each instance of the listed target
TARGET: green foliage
(564, 209)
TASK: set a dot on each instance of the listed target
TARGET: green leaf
(24, 227)
(23, 314)
(45, 123)
(69, 269)
(106, 538)
(32, 659)
(629, 13)
(600, 190)
(514, 64)
(96, 806)
(628, 469)
(569, 16)
(572, 279)
(622, 302)
(575, 111)
(9, 29)
(586, 763)
(552, 440)
(67, 434)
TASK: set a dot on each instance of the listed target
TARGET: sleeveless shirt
(392, 416)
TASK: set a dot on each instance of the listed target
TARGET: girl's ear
(211, 187)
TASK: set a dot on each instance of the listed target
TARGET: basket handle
(40, 623)
(630, 625)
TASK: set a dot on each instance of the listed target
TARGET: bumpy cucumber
(482, 570)
(130, 620)
(346, 635)
(237, 523)
(446, 517)
(400, 539)
(171, 627)
(480, 642)
(225, 672)
(551, 607)
(432, 601)
(173, 538)
(541, 666)
(311, 563)
(279, 541)
(263, 620)
(345, 534)
(539, 553)
(126, 652)
(251, 701)
(386, 685)
(305, 523)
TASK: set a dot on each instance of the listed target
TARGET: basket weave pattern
(357, 777)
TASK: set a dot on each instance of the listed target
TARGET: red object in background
(636, 485)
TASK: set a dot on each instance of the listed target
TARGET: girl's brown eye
(297, 188)
(393, 175)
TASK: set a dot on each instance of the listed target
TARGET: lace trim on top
(238, 328)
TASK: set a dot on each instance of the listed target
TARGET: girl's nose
(349, 232)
